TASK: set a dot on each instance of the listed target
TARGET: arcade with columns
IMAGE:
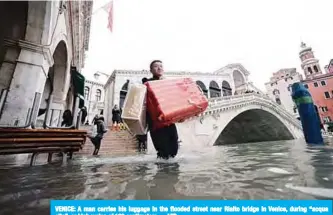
(41, 43)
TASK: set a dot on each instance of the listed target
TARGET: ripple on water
(315, 191)
(279, 170)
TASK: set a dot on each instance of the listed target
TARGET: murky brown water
(269, 170)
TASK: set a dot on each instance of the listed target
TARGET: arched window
(315, 68)
(226, 89)
(123, 93)
(98, 95)
(203, 87)
(310, 70)
(86, 92)
(214, 90)
(278, 101)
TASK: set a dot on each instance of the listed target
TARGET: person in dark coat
(165, 139)
(116, 114)
(142, 140)
(97, 140)
(67, 119)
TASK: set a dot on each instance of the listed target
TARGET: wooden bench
(37, 141)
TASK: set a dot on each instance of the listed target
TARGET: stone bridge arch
(251, 123)
(226, 126)
(254, 125)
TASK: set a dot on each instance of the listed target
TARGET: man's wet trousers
(165, 141)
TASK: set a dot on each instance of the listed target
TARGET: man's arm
(149, 121)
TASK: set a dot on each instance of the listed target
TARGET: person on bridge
(165, 139)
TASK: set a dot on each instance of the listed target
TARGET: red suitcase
(173, 100)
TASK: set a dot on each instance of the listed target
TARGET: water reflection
(271, 170)
(163, 183)
(26, 188)
(322, 161)
(319, 177)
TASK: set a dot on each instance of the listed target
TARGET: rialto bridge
(238, 112)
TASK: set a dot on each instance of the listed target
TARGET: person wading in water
(97, 140)
(165, 139)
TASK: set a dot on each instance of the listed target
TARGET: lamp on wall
(96, 75)
(201, 119)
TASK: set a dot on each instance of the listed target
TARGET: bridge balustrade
(263, 100)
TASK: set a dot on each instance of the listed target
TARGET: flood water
(267, 170)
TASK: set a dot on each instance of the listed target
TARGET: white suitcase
(134, 109)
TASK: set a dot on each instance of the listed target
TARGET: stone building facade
(279, 88)
(229, 80)
(39, 43)
(94, 95)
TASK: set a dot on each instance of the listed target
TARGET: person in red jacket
(165, 139)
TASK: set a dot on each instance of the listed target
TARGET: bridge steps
(114, 143)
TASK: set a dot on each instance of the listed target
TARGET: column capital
(32, 47)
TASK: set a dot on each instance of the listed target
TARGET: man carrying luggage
(165, 139)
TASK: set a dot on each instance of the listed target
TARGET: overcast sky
(192, 35)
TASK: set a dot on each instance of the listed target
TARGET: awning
(78, 81)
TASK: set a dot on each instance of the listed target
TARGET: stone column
(11, 53)
(29, 77)
(58, 108)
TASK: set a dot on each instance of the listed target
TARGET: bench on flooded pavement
(37, 141)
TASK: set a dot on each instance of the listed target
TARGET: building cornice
(291, 75)
(219, 73)
(302, 52)
(33, 47)
(94, 83)
(318, 78)
(235, 66)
